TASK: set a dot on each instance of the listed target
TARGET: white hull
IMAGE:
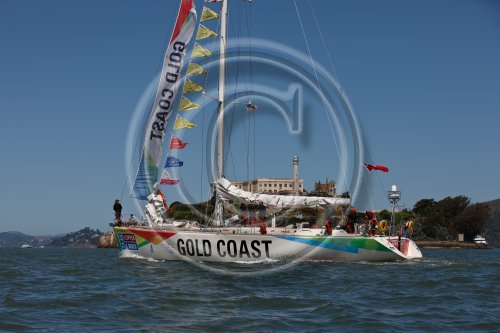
(240, 245)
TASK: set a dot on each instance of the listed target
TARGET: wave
(253, 262)
(129, 255)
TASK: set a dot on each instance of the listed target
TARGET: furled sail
(170, 80)
(228, 191)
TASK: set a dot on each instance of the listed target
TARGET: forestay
(169, 82)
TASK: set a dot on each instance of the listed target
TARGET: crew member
(244, 213)
(117, 207)
(351, 221)
(328, 228)
(372, 221)
(263, 229)
(252, 210)
(409, 228)
(400, 233)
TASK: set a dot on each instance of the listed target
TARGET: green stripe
(359, 242)
(143, 243)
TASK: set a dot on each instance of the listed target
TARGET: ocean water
(93, 290)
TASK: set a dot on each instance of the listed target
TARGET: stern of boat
(403, 247)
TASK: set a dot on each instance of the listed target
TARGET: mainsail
(170, 80)
(228, 191)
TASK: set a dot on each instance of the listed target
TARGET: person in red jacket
(263, 229)
(328, 228)
(372, 222)
(351, 221)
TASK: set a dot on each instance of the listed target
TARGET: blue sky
(423, 78)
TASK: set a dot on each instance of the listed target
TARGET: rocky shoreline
(107, 241)
(448, 245)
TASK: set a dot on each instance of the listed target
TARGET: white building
(270, 185)
(275, 185)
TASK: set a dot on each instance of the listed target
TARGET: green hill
(85, 237)
(15, 239)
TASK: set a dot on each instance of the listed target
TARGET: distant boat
(480, 240)
(26, 246)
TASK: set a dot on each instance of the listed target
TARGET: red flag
(371, 167)
(166, 179)
(176, 143)
(169, 181)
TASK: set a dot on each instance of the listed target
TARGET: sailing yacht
(222, 239)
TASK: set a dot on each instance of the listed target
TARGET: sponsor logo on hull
(127, 242)
(255, 249)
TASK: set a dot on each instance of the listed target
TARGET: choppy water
(94, 290)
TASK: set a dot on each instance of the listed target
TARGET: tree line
(432, 220)
(444, 219)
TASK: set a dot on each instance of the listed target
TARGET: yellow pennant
(204, 32)
(195, 69)
(208, 14)
(186, 104)
(200, 52)
(181, 123)
(190, 86)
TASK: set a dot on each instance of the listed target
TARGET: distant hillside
(85, 237)
(492, 229)
(82, 238)
(15, 239)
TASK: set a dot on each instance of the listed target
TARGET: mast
(219, 208)
(222, 70)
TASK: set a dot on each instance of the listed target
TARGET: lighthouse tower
(296, 175)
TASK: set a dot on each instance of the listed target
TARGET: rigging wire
(251, 88)
(211, 48)
(251, 117)
(159, 68)
(340, 86)
(230, 130)
(247, 116)
(142, 125)
(247, 120)
(344, 172)
(247, 137)
(201, 139)
(247, 123)
(323, 41)
(204, 96)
